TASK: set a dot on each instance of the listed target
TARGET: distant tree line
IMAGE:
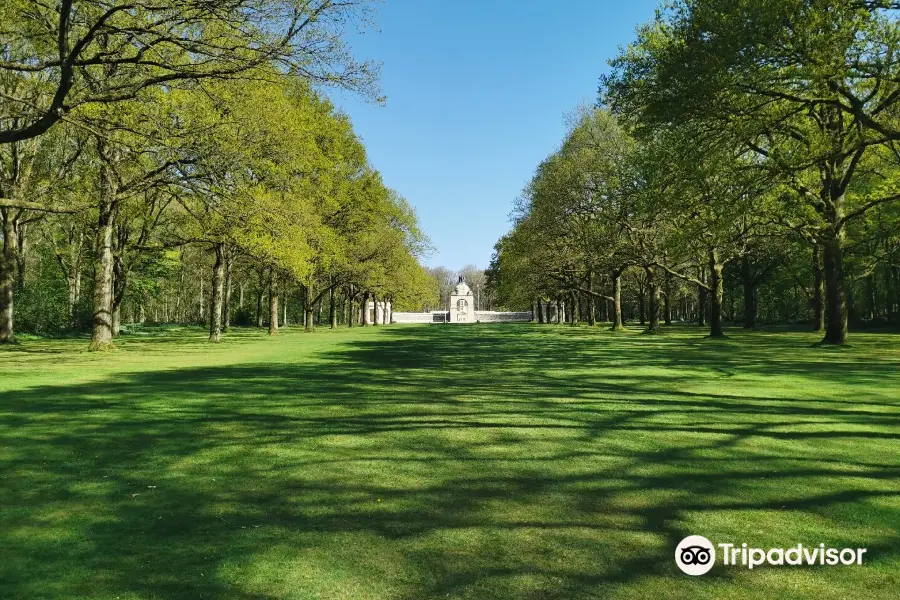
(741, 164)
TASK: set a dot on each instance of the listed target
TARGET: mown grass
(480, 462)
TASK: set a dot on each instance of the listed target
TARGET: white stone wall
(406, 317)
(492, 316)
(484, 316)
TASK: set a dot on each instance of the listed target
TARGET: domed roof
(462, 289)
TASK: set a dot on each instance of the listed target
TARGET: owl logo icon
(695, 555)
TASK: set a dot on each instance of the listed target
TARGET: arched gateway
(460, 309)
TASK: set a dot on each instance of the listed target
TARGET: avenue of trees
(743, 163)
(174, 162)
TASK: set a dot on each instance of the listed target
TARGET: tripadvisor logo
(696, 555)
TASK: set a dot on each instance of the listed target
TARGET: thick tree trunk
(102, 320)
(215, 311)
(540, 312)
(308, 323)
(273, 304)
(653, 301)
(716, 326)
(835, 294)
(364, 308)
(749, 294)
(7, 276)
(617, 324)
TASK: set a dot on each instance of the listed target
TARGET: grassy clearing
(508, 461)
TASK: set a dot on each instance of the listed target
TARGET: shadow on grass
(484, 462)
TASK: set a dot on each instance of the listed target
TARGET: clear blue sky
(476, 96)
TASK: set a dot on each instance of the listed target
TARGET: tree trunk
(540, 312)
(749, 294)
(891, 287)
(871, 307)
(102, 320)
(375, 315)
(120, 283)
(701, 298)
(332, 313)
(617, 324)
(74, 285)
(307, 310)
(591, 301)
(818, 292)
(364, 308)
(20, 257)
(226, 309)
(642, 308)
(653, 298)
(7, 276)
(351, 316)
(573, 320)
(835, 294)
(215, 310)
(716, 326)
(273, 303)
(668, 299)
(259, 308)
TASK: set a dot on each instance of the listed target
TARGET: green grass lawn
(480, 462)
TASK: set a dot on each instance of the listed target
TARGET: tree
(810, 88)
(72, 55)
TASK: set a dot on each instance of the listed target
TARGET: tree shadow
(423, 462)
